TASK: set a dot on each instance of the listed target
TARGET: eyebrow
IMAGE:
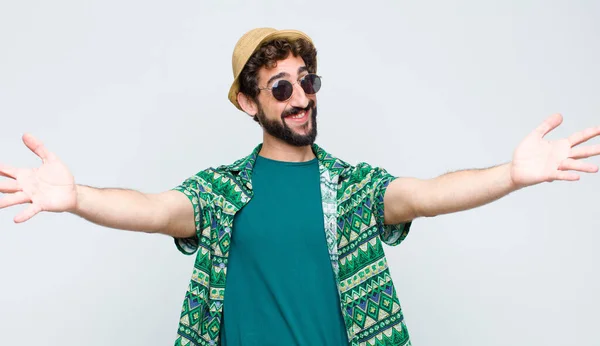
(277, 76)
(283, 74)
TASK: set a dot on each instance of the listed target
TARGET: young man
(290, 235)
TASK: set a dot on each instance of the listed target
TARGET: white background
(133, 94)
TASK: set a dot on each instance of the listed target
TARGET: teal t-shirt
(280, 287)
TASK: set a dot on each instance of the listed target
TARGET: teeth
(298, 116)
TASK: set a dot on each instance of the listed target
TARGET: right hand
(50, 187)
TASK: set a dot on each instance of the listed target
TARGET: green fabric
(353, 216)
(279, 274)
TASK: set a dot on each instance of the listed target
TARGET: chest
(285, 211)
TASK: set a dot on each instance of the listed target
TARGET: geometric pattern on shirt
(352, 198)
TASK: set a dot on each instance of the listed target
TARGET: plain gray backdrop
(133, 94)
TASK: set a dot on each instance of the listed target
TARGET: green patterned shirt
(352, 198)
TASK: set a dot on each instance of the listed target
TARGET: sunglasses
(282, 89)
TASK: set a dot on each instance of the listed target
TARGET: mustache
(296, 110)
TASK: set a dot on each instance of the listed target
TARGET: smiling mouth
(299, 117)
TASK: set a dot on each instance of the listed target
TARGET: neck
(276, 149)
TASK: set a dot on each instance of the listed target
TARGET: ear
(247, 104)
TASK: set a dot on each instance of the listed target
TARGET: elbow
(423, 209)
(427, 213)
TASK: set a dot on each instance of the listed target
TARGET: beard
(283, 132)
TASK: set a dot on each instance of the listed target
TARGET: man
(290, 235)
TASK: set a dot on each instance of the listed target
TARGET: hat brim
(285, 34)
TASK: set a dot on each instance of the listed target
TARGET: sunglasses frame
(294, 83)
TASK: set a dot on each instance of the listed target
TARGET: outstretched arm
(169, 212)
(535, 161)
(52, 188)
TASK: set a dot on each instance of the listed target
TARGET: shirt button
(222, 265)
(227, 229)
(218, 304)
(212, 342)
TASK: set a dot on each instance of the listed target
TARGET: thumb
(37, 147)
(28, 213)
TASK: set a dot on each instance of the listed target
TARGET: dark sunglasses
(282, 89)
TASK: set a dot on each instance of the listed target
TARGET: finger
(9, 186)
(36, 146)
(549, 124)
(14, 199)
(7, 171)
(27, 214)
(576, 165)
(585, 152)
(585, 135)
(568, 176)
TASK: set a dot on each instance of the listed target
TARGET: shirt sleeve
(191, 188)
(390, 234)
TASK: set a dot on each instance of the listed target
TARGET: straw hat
(247, 45)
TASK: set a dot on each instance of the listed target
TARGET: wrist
(79, 196)
(513, 184)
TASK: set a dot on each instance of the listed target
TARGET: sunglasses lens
(311, 84)
(282, 90)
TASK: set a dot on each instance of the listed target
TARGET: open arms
(535, 160)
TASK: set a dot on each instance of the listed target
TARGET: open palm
(50, 187)
(537, 160)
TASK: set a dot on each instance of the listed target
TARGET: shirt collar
(243, 167)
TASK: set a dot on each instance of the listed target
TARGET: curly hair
(267, 56)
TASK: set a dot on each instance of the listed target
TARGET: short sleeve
(191, 189)
(390, 234)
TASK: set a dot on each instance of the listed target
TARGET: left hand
(537, 160)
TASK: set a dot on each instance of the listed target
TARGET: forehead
(290, 66)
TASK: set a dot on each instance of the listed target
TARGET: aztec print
(352, 198)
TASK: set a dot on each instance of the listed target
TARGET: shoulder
(351, 174)
(364, 179)
(364, 172)
(202, 177)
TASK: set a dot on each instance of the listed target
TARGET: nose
(299, 98)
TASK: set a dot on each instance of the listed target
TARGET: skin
(275, 148)
(535, 161)
(51, 187)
